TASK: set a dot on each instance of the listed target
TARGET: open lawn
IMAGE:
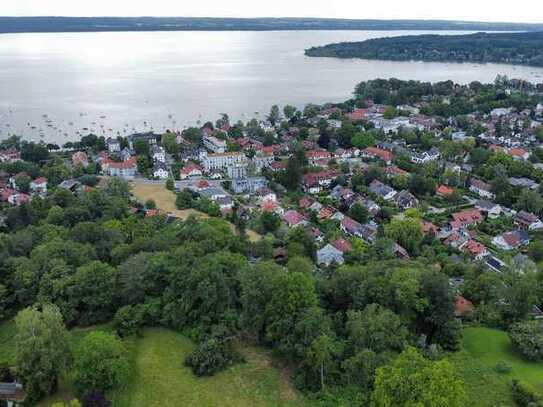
(165, 201)
(482, 349)
(159, 377)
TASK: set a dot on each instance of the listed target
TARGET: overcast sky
(474, 10)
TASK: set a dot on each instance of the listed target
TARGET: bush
(128, 320)
(527, 337)
(212, 356)
(525, 396)
(100, 363)
(503, 367)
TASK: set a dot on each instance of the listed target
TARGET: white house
(190, 170)
(39, 186)
(481, 188)
(214, 144)
(159, 154)
(160, 170)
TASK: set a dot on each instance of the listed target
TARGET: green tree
(322, 354)
(23, 182)
(529, 201)
(170, 184)
(527, 338)
(289, 111)
(141, 147)
(363, 140)
(42, 350)
(118, 187)
(359, 213)
(270, 221)
(406, 232)
(300, 264)
(274, 115)
(184, 200)
(412, 380)
(376, 328)
(100, 363)
(169, 142)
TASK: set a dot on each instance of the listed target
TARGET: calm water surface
(56, 85)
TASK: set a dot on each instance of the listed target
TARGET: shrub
(212, 356)
(503, 367)
(128, 320)
(100, 363)
(527, 337)
(525, 396)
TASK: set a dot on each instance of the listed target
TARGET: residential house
(481, 188)
(113, 145)
(444, 191)
(317, 157)
(248, 185)
(528, 221)
(511, 240)
(150, 138)
(523, 183)
(126, 169)
(381, 190)
(491, 209)
(293, 218)
(160, 170)
(465, 218)
(234, 163)
(342, 245)
(475, 249)
(262, 160)
(519, 153)
(406, 200)
(214, 144)
(375, 152)
(432, 155)
(80, 158)
(315, 182)
(10, 155)
(190, 170)
(329, 255)
(158, 153)
(39, 186)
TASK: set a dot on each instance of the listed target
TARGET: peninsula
(511, 48)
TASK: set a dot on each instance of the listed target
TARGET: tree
(359, 213)
(169, 142)
(321, 353)
(529, 201)
(141, 147)
(292, 294)
(184, 199)
(289, 111)
(527, 338)
(3, 301)
(270, 221)
(91, 292)
(100, 363)
(375, 328)
(300, 264)
(34, 152)
(274, 115)
(118, 187)
(42, 350)
(212, 356)
(150, 204)
(412, 380)
(170, 184)
(390, 112)
(23, 182)
(363, 140)
(406, 232)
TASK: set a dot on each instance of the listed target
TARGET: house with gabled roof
(294, 218)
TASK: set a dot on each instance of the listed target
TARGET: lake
(58, 86)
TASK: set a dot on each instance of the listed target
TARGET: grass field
(482, 349)
(165, 201)
(160, 379)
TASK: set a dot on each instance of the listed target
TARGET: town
(449, 175)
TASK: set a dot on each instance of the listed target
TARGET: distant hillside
(82, 24)
(510, 48)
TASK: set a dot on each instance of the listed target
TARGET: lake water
(56, 86)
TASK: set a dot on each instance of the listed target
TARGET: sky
(472, 10)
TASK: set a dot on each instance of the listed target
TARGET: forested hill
(83, 24)
(512, 48)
